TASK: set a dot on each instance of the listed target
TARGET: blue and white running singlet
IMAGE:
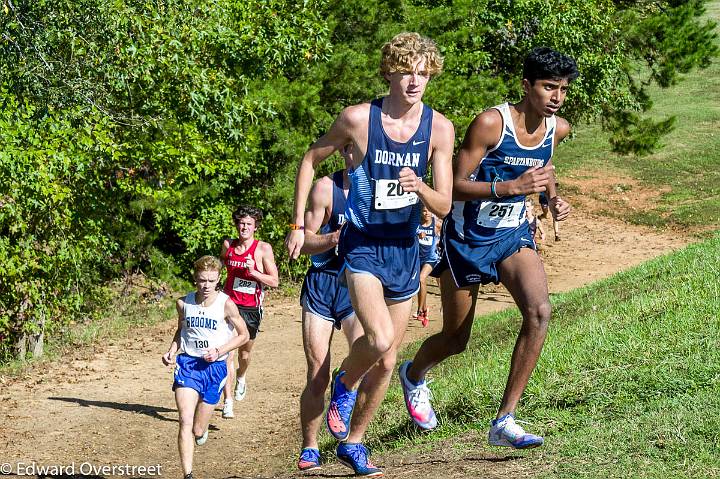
(377, 205)
(428, 243)
(328, 260)
(488, 220)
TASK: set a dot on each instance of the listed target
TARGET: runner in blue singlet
(506, 154)
(428, 235)
(395, 139)
(325, 302)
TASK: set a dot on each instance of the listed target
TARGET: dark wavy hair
(544, 63)
(247, 210)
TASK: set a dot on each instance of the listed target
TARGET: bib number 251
(499, 215)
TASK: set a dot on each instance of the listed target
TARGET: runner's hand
(249, 264)
(167, 359)
(335, 237)
(409, 180)
(212, 355)
(294, 242)
(532, 181)
(559, 208)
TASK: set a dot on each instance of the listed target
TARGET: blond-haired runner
(204, 336)
(395, 139)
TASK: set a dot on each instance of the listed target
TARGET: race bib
(426, 240)
(499, 215)
(244, 286)
(389, 195)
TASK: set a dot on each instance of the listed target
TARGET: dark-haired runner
(250, 267)
(506, 154)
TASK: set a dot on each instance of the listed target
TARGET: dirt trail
(113, 406)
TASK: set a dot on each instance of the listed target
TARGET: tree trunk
(21, 347)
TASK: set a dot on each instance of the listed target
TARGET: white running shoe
(417, 399)
(240, 390)
(202, 439)
(228, 409)
(506, 432)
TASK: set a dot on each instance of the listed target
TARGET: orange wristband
(293, 227)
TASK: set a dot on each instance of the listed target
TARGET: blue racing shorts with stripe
(208, 379)
(478, 264)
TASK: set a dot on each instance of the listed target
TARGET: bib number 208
(389, 195)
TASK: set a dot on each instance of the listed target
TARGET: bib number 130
(389, 195)
(499, 215)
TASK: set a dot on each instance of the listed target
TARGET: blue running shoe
(309, 459)
(355, 455)
(506, 432)
(342, 403)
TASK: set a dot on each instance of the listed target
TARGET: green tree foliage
(132, 128)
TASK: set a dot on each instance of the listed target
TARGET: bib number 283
(389, 195)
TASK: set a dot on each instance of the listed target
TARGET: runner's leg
(375, 383)
(186, 400)
(366, 295)
(422, 294)
(230, 382)
(458, 314)
(524, 277)
(203, 413)
(317, 334)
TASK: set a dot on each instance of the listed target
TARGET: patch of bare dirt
(112, 403)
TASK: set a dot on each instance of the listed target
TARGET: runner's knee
(186, 421)
(456, 342)
(537, 316)
(387, 362)
(380, 341)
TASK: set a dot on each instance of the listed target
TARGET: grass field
(628, 384)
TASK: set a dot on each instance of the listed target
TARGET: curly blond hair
(404, 49)
(207, 263)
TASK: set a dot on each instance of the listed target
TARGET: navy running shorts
(477, 264)
(325, 296)
(395, 262)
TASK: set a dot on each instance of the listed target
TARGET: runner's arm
(167, 358)
(437, 198)
(223, 249)
(339, 135)
(232, 316)
(559, 208)
(317, 215)
(269, 275)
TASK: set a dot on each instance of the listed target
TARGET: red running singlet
(240, 286)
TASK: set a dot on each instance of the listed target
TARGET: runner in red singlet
(250, 267)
